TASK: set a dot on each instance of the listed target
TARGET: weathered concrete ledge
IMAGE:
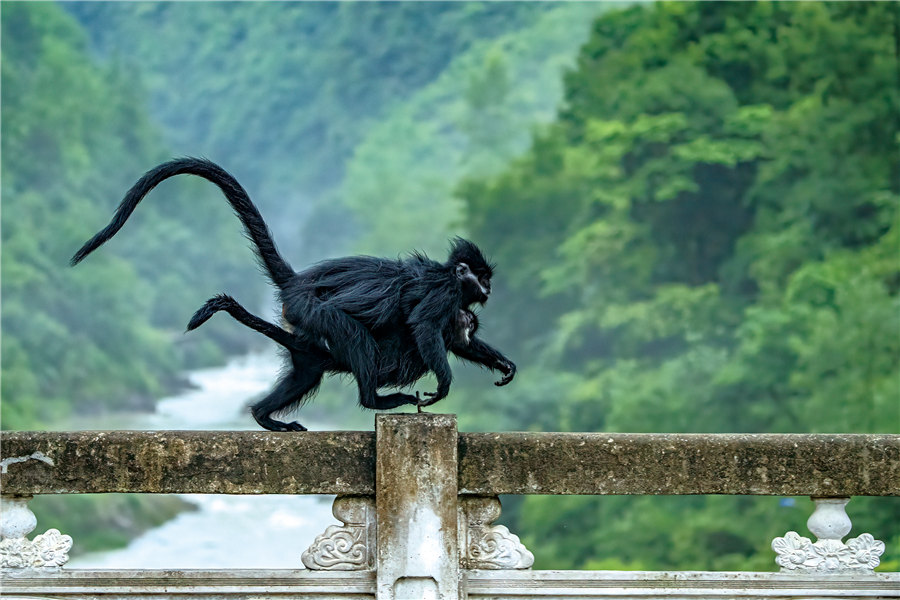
(242, 462)
(196, 462)
(764, 464)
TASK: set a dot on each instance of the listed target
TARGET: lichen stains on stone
(558, 463)
(243, 462)
(194, 462)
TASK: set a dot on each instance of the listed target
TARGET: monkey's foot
(418, 402)
(432, 397)
(273, 425)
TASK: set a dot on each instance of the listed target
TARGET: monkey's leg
(353, 346)
(387, 402)
(291, 390)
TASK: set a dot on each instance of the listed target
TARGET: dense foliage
(285, 91)
(81, 340)
(470, 121)
(103, 336)
(705, 241)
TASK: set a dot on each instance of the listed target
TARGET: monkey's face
(476, 287)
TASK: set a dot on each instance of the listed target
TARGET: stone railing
(417, 501)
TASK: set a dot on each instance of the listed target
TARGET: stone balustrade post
(417, 550)
(49, 550)
(828, 554)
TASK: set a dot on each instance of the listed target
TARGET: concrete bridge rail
(343, 462)
(417, 501)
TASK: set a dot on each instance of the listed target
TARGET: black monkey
(361, 310)
(308, 354)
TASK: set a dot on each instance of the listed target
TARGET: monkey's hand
(508, 369)
(432, 397)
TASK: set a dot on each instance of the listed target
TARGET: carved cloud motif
(829, 556)
(48, 550)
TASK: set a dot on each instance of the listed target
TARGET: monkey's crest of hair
(464, 251)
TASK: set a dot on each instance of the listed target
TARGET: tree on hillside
(706, 240)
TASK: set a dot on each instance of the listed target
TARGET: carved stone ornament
(48, 550)
(832, 556)
(487, 546)
(347, 547)
(828, 554)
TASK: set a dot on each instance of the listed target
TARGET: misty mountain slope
(285, 91)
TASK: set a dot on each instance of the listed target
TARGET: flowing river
(225, 531)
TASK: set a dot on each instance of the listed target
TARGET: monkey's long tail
(254, 226)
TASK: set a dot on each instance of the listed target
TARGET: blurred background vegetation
(694, 209)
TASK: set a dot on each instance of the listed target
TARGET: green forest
(694, 208)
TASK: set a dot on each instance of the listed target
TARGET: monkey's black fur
(387, 322)
(398, 362)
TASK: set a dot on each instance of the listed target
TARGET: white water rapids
(226, 531)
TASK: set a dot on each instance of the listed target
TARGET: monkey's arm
(482, 353)
(427, 320)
